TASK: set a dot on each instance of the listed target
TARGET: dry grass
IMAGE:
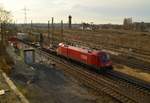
(133, 72)
(107, 38)
(5, 60)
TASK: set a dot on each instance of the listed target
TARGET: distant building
(127, 23)
(147, 27)
(141, 26)
(87, 26)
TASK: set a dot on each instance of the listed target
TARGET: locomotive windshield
(105, 58)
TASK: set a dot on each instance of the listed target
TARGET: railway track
(140, 92)
(112, 84)
(133, 63)
(92, 81)
(101, 84)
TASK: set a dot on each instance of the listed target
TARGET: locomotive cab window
(105, 58)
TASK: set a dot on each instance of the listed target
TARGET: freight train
(98, 60)
(95, 59)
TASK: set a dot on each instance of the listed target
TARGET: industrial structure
(70, 21)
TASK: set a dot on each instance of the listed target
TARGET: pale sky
(97, 11)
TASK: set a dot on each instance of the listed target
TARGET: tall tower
(70, 21)
(25, 15)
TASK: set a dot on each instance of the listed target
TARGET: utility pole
(62, 30)
(52, 31)
(25, 18)
(25, 15)
(48, 30)
(31, 27)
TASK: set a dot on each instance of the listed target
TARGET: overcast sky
(97, 11)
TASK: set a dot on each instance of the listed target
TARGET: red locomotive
(97, 59)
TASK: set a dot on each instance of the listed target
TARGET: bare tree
(5, 18)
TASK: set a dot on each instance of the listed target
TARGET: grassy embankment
(5, 60)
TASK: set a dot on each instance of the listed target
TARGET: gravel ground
(42, 84)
